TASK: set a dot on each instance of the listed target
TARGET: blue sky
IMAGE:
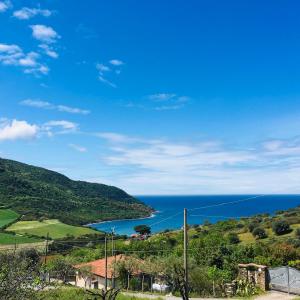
(156, 97)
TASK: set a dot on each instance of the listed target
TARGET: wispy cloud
(159, 102)
(17, 130)
(104, 71)
(27, 13)
(47, 105)
(44, 33)
(168, 101)
(106, 81)
(50, 51)
(13, 55)
(5, 5)
(202, 167)
(78, 148)
(60, 127)
(116, 62)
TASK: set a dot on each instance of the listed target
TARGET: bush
(297, 233)
(233, 238)
(259, 233)
(281, 227)
(252, 226)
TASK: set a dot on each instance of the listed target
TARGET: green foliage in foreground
(55, 228)
(7, 216)
(40, 193)
(10, 239)
(71, 293)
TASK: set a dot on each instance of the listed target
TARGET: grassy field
(248, 238)
(7, 216)
(55, 228)
(10, 239)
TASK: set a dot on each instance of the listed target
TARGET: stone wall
(256, 274)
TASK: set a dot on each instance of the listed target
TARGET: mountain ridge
(38, 193)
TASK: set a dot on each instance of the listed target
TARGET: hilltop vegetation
(39, 193)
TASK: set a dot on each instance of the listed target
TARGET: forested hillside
(39, 193)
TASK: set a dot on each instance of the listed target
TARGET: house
(91, 275)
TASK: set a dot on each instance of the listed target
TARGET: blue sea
(169, 210)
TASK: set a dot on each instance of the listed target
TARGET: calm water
(168, 206)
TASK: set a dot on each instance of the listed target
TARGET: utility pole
(105, 251)
(46, 247)
(112, 255)
(185, 252)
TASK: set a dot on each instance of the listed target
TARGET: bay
(169, 210)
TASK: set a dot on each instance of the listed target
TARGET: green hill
(39, 193)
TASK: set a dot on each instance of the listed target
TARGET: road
(268, 296)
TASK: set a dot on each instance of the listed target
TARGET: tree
(171, 269)
(281, 227)
(61, 267)
(19, 275)
(233, 238)
(259, 233)
(142, 229)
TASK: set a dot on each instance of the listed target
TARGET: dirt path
(276, 296)
(268, 296)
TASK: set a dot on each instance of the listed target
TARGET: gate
(285, 279)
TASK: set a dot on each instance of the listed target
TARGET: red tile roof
(98, 266)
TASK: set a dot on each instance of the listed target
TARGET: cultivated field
(55, 228)
(10, 239)
(7, 216)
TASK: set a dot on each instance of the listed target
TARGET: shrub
(252, 226)
(246, 288)
(233, 238)
(281, 227)
(259, 233)
(297, 233)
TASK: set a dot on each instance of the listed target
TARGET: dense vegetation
(215, 250)
(38, 193)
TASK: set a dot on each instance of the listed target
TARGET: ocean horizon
(169, 210)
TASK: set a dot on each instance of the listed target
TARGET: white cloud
(48, 105)
(106, 81)
(15, 130)
(62, 127)
(44, 33)
(78, 148)
(27, 13)
(30, 60)
(4, 5)
(102, 68)
(116, 62)
(161, 97)
(113, 137)
(104, 71)
(36, 103)
(49, 50)
(205, 167)
(9, 49)
(13, 55)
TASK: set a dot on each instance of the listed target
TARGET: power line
(227, 203)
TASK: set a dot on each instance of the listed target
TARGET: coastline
(153, 214)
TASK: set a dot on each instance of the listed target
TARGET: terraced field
(55, 228)
(7, 216)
